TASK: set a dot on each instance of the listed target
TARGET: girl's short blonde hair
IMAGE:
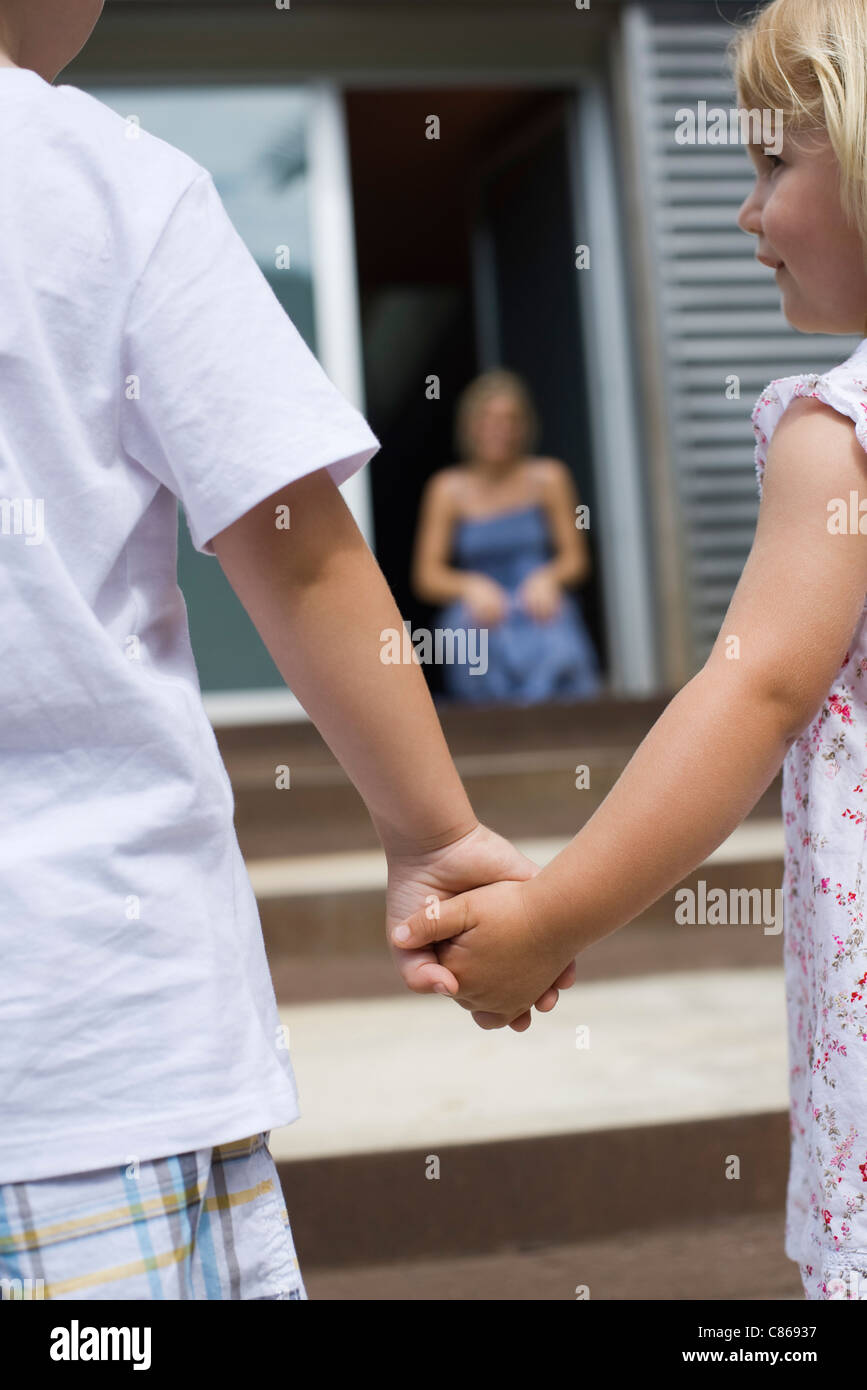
(498, 382)
(808, 59)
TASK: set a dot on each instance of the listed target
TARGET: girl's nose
(750, 215)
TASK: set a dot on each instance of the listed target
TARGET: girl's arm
(707, 760)
(721, 740)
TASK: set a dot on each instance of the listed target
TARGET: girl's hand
(417, 883)
(487, 600)
(540, 595)
(490, 943)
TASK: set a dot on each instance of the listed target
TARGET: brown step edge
(367, 1209)
(314, 817)
(735, 1258)
(518, 766)
(638, 949)
(467, 730)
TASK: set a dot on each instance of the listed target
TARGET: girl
(510, 522)
(785, 683)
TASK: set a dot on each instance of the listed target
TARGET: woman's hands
(487, 600)
(420, 882)
(540, 595)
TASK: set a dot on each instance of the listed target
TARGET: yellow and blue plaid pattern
(201, 1225)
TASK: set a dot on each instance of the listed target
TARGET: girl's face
(794, 210)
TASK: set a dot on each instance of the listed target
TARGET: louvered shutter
(718, 310)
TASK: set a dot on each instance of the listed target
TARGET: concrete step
(534, 1136)
(414, 1071)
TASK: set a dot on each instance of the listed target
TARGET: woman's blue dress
(527, 661)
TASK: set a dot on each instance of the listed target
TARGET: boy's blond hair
(808, 59)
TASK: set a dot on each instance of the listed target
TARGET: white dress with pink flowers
(825, 817)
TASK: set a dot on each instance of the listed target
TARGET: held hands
(489, 943)
(423, 882)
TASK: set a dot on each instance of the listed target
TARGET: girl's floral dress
(825, 817)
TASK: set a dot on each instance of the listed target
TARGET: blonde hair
(498, 382)
(808, 59)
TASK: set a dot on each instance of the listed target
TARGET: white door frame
(337, 321)
(623, 533)
(335, 273)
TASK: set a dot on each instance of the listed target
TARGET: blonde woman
(499, 548)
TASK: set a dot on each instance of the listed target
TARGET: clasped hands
(467, 931)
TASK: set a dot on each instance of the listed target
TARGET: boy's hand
(417, 883)
(491, 946)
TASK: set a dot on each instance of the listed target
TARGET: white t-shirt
(143, 358)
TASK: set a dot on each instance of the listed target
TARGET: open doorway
(465, 261)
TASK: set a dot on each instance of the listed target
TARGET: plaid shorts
(206, 1224)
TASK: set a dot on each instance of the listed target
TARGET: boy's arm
(320, 601)
(716, 747)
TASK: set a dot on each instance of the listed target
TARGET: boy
(143, 358)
